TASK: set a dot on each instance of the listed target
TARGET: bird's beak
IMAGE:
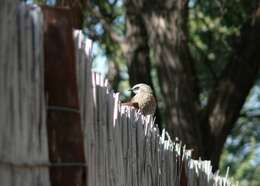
(130, 90)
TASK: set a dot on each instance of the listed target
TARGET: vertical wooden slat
(63, 119)
(23, 137)
(83, 57)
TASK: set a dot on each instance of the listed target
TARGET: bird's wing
(131, 104)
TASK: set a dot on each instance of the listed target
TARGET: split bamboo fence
(120, 146)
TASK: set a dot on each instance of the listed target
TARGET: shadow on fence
(108, 145)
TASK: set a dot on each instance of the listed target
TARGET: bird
(143, 99)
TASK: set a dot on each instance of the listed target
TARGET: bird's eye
(136, 88)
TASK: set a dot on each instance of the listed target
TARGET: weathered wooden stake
(76, 8)
(63, 118)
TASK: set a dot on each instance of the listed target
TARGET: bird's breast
(146, 103)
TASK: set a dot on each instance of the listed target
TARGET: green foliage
(242, 149)
(212, 26)
(102, 18)
(44, 2)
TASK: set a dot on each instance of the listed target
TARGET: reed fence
(121, 147)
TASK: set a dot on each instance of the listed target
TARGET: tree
(157, 32)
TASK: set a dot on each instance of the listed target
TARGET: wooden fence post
(76, 8)
(66, 150)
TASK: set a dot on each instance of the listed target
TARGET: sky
(100, 60)
(49, 2)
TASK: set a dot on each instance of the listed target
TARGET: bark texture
(137, 53)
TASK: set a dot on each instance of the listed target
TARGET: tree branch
(207, 64)
(108, 28)
(227, 99)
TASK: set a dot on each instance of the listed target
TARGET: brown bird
(143, 99)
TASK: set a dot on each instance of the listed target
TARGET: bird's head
(141, 88)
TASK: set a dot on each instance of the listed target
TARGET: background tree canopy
(202, 59)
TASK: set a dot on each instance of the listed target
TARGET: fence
(23, 133)
(121, 147)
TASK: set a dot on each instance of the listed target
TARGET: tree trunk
(228, 97)
(137, 54)
(166, 24)
(167, 30)
(203, 131)
(138, 50)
